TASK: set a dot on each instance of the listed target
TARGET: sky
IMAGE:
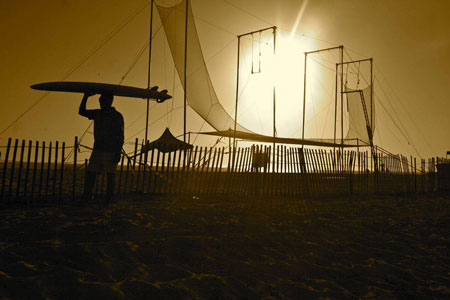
(102, 41)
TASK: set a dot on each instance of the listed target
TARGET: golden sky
(45, 40)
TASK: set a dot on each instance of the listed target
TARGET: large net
(200, 93)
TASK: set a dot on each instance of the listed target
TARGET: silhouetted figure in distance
(108, 142)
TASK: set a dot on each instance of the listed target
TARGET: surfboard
(99, 88)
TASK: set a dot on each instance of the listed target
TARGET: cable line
(90, 54)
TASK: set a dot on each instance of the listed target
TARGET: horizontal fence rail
(39, 172)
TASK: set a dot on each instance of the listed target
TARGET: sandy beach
(155, 247)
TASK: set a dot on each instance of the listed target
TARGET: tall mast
(149, 64)
(274, 86)
(185, 70)
(237, 91)
(304, 98)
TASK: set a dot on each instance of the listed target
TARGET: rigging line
(404, 108)
(141, 130)
(379, 136)
(194, 71)
(135, 61)
(397, 139)
(396, 125)
(247, 12)
(90, 54)
(328, 113)
(326, 67)
(387, 98)
(216, 26)
(79, 141)
(280, 29)
(201, 127)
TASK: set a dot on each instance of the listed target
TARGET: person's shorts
(102, 162)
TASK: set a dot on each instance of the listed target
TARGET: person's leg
(110, 186)
(89, 184)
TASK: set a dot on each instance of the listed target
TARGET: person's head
(106, 100)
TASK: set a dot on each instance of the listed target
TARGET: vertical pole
(335, 104)
(139, 168)
(304, 98)
(33, 180)
(27, 171)
(19, 174)
(145, 165)
(341, 52)
(74, 178)
(55, 170)
(5, 167)
(274, 86)
(13, 165)
(185, 69)
(62, 170)
(149, 64)
(371, 94)
(237, 91)
(120, 174)
(49, 166)
(41, 175)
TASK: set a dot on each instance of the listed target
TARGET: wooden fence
(38, 172)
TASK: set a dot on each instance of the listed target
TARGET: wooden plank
(144, 172)
(49, 165)
(242, 173)
(157, 179)
(220, 168)
(295, 175)
(19, 173)
(133, 167)
(27, 170)
(61, 178)
(33, 180)
(162, 182)
(13, 166)
(126, 176)
(55, 170)
(119, 185)
(138, 175)
(179, 169)
(206, 172)
(235, 174)
(172, 173)
(312, 172)
(139, 164)
(415, 175)
(210, 173)
(41, 173)
(151, 173)
(5, 168)
(74, 176)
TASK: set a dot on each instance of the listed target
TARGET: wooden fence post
(27, 171)
(5, 168)
(13, 165)
(63, 150)
(33, 180)
(49, 162)
(55, 170)
(19, 173)
(74, 176)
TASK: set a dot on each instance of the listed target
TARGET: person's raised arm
(82, 110)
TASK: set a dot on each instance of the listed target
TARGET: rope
(90, 54)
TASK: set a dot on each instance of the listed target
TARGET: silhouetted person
(108, 141)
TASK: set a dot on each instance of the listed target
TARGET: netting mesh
(357, 122)
(200, 94)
